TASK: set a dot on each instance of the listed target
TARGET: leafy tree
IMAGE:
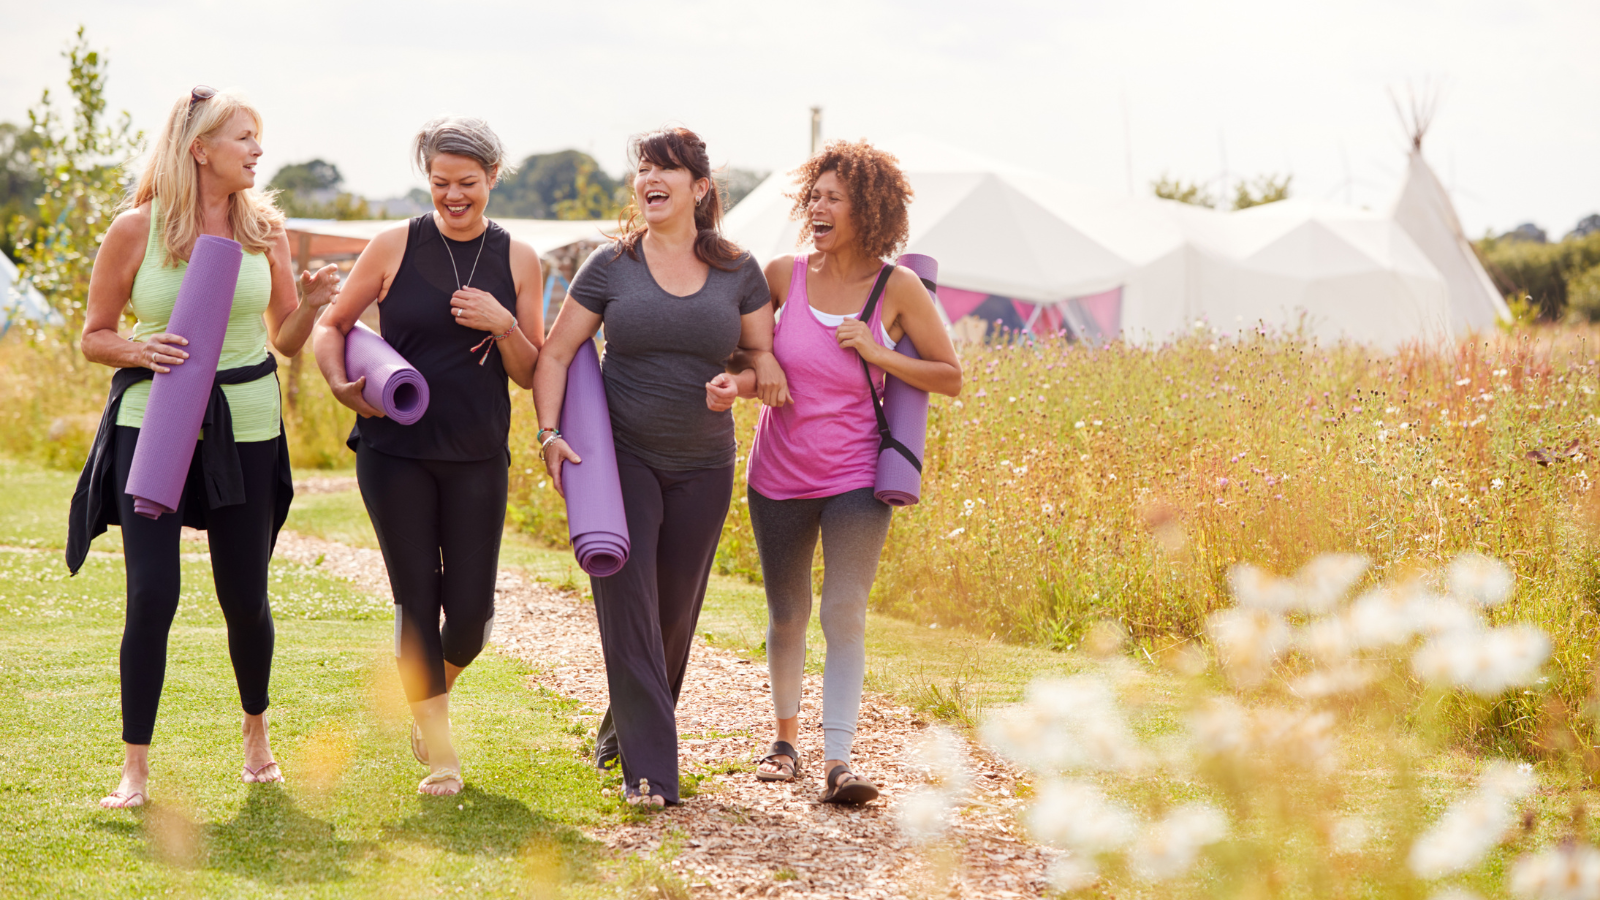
(545, 180)
(1543, 271)
(1261, 191)
(79, 162)
(1586, 226)
(737, 183)
(310, 190)
(1583, 295)
(20, 184)
(1182, 191)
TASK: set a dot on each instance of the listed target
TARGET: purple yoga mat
(178, 397)
(596, 520)
(898, 482)
(393, 385)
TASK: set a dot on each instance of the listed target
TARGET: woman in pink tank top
(814, 459)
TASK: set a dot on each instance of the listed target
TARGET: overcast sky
(1069, 88)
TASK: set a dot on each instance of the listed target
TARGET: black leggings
(241, 546)
(648, 610)
(439, 525)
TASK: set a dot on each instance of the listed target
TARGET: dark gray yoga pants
(853, 527)
(648, 610)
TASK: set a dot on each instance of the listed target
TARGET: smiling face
(829, 209)
(460, 187)
(229, 154)
(665, 194)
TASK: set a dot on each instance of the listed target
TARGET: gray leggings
(853, 526)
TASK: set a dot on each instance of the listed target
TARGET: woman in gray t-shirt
(676, 299)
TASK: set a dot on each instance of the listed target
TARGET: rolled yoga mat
(393, 385)
(178, 397)
(898, 482)
(596, 520)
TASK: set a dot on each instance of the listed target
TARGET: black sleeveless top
(469, 406)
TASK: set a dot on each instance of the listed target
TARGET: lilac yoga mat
(393, 385)
(178, 397)
(899, 483)
(596, 520)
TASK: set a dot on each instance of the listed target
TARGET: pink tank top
(826, 441)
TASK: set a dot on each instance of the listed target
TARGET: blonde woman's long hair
(172, 175)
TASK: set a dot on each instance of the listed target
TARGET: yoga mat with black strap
(898, 482)
(596, 520)
(178, 397)
(393, 385)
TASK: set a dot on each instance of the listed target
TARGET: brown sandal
(787, 771)
(855, 792)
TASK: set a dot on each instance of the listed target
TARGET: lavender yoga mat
(898, 482)
(393, 385)
(596, 520)
(178, 398)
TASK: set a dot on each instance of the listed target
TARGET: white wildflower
(1303, 740)
(1248, 641)
(1327, 640)
(1343, 679)
(1488, 662)
(924, 814)
(1381, 618)
(1472, 825)
(942, 754)
(1349, 834)
(1256, 588)
(1076, 816)
(1558, 874)
(1169, 848)
(1066, 724)
(1434, 615)
(1222, 727)
(1479, 579)
(1325, 581)
(1071, 873)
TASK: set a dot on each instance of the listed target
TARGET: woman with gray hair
(460, 300)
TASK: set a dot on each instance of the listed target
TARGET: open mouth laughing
(655, 197)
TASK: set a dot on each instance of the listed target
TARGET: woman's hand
(854, 334)
(162, 350)
(481, 311)
(772, 386)
(721, 391)
(554, 452)
(349, 393)
(319, 289)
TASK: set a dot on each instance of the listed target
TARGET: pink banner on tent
(1105, 308)
(958, 303)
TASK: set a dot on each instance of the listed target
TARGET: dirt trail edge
(739, 837)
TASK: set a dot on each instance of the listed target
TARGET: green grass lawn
(347, 822)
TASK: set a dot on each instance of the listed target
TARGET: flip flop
(254, 776)
(855, 792)
(441, 777)
(419, 749)
(124, 800)
(787, 771)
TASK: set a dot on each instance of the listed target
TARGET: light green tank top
(254, 404)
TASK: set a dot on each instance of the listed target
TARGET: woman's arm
(519, 351)
(289, 317)
(574, 325)
(110, 286)
(908, 309)
(777, 274)
(369, 281)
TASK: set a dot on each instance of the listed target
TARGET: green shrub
(1583, 295)
(1543, 270)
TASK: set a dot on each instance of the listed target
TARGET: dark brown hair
(878, 192)
(680, 148)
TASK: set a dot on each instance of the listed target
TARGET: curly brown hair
(878, 191)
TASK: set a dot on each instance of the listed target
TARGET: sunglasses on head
(201, 94)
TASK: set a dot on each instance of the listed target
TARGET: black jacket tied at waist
(94, 505)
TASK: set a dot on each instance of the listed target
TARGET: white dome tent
(1037, 253)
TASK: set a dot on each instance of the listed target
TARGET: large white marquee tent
(1035, 252)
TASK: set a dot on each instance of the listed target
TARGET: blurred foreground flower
(1064, 725)
(1560, 873)
(1169, 848)
(1488, 662)
(1474, 824)
(1479, 578)
(1076, 816)
(1248, 641)
(925, 814)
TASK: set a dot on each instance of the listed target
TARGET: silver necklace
(456, 271)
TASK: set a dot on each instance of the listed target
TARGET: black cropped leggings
(241, 546)
(438, 524)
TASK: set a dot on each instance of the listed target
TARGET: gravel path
(739, 837)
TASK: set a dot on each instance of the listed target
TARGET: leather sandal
(787, 771)
(854, 792)
(260, 775)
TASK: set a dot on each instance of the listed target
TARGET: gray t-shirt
(660, 352)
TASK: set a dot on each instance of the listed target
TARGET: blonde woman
(200, 179)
